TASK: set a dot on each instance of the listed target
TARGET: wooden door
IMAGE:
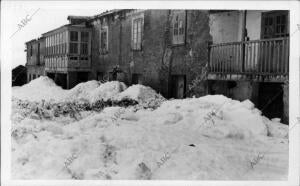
(178, 86)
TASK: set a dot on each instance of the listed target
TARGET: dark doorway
(270, 100)
(136, 79)
(178, 83)
(51, 75)
(100, 76)
(82, 77)
(61, 80)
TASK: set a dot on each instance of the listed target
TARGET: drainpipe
(243, 38)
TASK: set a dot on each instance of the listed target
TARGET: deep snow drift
(211, 137)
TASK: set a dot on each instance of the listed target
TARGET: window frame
(272, 15)
(31, 50)
(136, 34)
(102, 50)
(179, 25)
(73, 42)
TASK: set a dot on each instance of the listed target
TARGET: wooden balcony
(258, 60)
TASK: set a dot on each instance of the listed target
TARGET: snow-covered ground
(55, 136)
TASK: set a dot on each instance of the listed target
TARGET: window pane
(137, 33)
(84, 36)
(104, 40)
(74, 36)
(73, 48)
(84, 48)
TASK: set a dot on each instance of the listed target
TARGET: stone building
(35, 63)
(179, 53)
(164, 49)
(249, 58)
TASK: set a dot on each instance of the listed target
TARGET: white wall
(225, 26)
(253, 24)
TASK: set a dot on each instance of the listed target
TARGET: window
(84, 36)
(104, 40)
(74, 42)
(74, 36)
(137, 33)
(84, 48)
(73, 48)
(73, 58)
(274, 24)
(84, 58)
(30, 50)
(178, 27)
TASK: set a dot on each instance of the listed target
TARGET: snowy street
(111, 131)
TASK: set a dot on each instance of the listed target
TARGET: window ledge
(178, 44)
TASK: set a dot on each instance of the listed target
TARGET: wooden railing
(258, 57)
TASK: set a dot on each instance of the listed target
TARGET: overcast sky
(45, 19)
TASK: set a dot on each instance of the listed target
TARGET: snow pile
(82, 91)
(146, 96)
(211, 137)
(42, 88)
(107, 91)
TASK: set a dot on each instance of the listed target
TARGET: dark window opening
(84, 36)
(275, 24)
(73, 58)
(103, 40)
(73, 48)
(84, 48)
(73, 36)
(84, 58)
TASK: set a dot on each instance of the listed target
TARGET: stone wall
(159, 59)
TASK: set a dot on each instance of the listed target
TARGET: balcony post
(208, 55)
(244, 32)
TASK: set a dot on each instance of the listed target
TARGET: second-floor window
(84, 38)
(84, 48)
(73, 48)
(104, 40)
(137, 33)
(73, 36)
(274, 24)
(30, 50)
(73, 42)
(178, 28)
